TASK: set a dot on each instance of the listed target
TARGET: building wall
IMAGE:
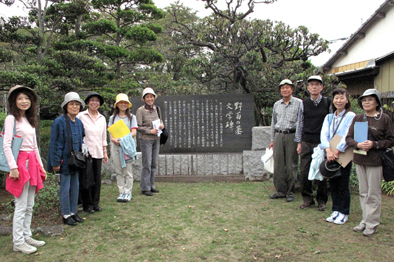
(384, 81)
(357, 86)
(376, 43)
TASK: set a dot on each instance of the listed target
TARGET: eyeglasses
(369, 100)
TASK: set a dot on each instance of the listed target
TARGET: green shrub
(45, 136)
(353, 181)
(388, 187)
(48, 197)
(2, 118)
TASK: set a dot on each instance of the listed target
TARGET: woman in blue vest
(58, 154)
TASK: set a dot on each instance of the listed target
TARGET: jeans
(68, 193)
(340, 192)
(23, 214)
(150, 156)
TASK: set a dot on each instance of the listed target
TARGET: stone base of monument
(230, 167)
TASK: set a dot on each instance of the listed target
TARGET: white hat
(286, 82)
(146, 91)
(72, 96)
(316, 78)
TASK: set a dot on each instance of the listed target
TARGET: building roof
(378, 15)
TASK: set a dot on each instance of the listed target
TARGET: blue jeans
(68, 193)
(150, 156)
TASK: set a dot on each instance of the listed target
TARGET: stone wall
(210, 166)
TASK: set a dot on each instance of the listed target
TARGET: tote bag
(15, 146)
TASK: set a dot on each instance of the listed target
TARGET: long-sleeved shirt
(24, 130)
(330, 124)
(95, 133)
(383, 133)
(58, 145)
(144, 121)
(285, 116)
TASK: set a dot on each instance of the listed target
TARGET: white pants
(23, 214)
(124, 176)
(370, 187)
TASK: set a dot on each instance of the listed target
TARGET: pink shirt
(95, 133)
(24, 130)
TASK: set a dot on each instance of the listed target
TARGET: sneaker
(25, 248)
(341, 219)
(359, 228)
(128, 197)
(332, 217)
(120, 197)
(370, 231)
(34, 243)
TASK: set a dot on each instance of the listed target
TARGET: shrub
(48, 197)
(388, 187)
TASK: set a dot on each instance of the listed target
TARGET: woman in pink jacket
(27, 173)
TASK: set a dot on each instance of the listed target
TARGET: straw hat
(22, 88)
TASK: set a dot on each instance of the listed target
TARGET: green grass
(212, 222)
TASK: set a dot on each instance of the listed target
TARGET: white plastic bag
(268, 160)
(317, 158)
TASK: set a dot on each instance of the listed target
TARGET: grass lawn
(212, 222)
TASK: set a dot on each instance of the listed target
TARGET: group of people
(75, 131)
(299, 126)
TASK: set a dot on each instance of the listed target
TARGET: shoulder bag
(75, 159)
(164, 132)
(15, 146)
(331, 169)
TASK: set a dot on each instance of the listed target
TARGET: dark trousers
(285, 163)
(340, 192)
(306, 185)
(91, 196)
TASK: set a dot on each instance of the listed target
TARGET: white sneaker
(332, 217)
(341, 219)
(120, 197)
(34, 243)
(127, 197)
(25, 248)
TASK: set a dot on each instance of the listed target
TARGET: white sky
(331, 19)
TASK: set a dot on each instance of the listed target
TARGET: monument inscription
(205, 123)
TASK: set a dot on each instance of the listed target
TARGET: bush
(388, 187)
(48, 197)
(45, 137)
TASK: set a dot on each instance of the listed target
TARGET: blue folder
(361, 131)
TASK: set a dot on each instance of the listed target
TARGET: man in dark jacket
(312, 113)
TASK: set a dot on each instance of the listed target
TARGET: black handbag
(387, 157)
(75, 159)
(164, 132)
